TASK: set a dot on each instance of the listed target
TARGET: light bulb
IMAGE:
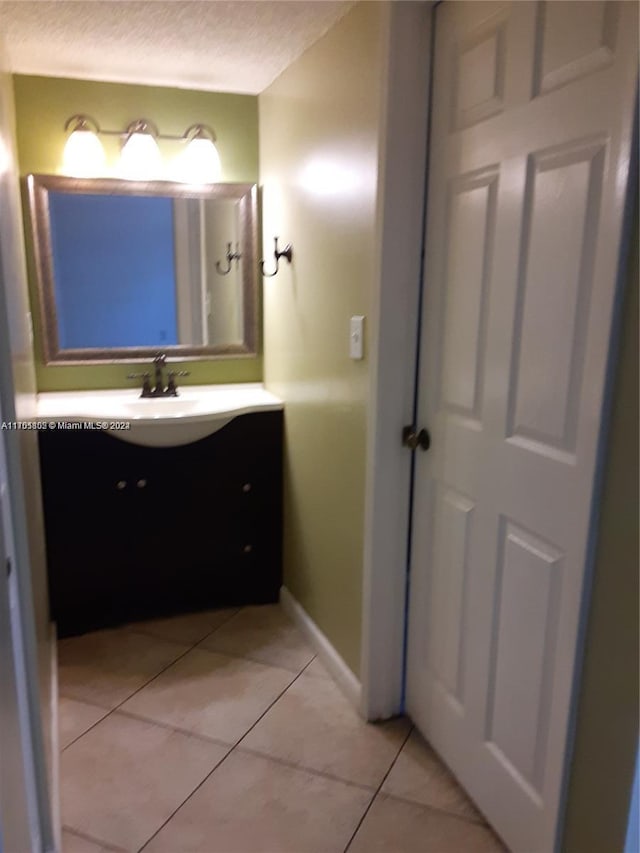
(140, 158)
(84, 155)
(199, 163)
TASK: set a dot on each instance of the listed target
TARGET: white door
(529, 156)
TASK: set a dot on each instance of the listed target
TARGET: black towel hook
(287, 253)
(231, 256)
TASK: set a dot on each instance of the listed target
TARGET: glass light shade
(84, 155)
(199, 163)
(140, 158)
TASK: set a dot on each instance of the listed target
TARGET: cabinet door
(225, 494)
(91, 522)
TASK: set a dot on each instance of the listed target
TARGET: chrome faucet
(159, 389)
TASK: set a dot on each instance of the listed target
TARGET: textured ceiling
(237, 46)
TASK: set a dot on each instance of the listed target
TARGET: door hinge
(9, 566)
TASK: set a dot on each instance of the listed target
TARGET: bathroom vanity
(141, 530)
(166, 501)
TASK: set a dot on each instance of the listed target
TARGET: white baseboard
(338, 669)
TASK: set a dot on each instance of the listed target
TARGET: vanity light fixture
(199, 163)
(140, 159)
(84, 155)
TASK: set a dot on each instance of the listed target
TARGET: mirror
(127, 268)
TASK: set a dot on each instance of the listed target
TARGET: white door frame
(394, 340)
(22, 628)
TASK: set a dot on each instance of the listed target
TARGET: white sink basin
(198, 411)
(146, 407)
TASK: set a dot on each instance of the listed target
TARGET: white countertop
(193, 403)
(196, 412)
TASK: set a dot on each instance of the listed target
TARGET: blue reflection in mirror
(114, 270)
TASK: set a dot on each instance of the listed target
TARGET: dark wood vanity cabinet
(139, 532)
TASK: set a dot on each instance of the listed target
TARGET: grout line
(164, 669)
(115, 708)
(107, 711)
(92, 838)
(479, 821)
(277, 699)
(136, 630)
(144, 719)
(184, 802)
(221, 762)
(188, 648)
(226, 654)
(379, 788)
(314, 772)
(91, 702)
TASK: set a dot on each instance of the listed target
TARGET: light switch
(356, 337)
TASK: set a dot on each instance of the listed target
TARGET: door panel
(562, 202)
(469, 237)
(521, 665)
(454, 517)
(531, 128)
(566, 52)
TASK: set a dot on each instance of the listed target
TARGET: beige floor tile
(210, 694)
(74, 718)
(123, 779)
(420, 776)
(263, 634)
(315, 726)
(394, 826)
(253, 805)
(189, 628)
(318, 670)
(72, 843)
(107, 666)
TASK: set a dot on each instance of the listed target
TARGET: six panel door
(531, 130)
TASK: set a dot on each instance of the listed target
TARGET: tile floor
(220, 732)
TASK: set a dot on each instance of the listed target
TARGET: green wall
(43, 104)
(319, 132)
(606, 739)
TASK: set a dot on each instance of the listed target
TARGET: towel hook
(287, 253)
(231, 256)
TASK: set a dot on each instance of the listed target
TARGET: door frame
(14, 406)
(393, 331)
(394, 335)
(22, 626)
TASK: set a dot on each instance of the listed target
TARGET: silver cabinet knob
(121, 484)
(141, 484)
(246, 487)
(248, 549)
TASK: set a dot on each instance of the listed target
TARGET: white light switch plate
(356, 337)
